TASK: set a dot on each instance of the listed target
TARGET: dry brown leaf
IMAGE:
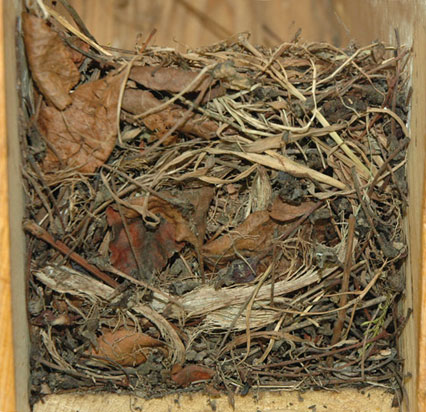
(191, 373)
(50, 61)
(254, 234)
(167, 78)
(147, 251)
(82, 136)
(126, 347)
(284, 212)
(154, 247)
(76, 56)
(137, 101)
(170, 213)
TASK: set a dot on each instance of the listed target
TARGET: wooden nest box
(363, 21)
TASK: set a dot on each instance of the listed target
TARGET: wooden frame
(7, 376)
(366, 21)
(14, 358)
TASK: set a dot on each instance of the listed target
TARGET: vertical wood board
(14, 340)
(7, 375)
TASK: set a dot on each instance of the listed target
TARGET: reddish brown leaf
(82, 136)
(50, 61)
(254, 234)
(153, 248)
(191, 373)
(168, 212)
(126, 347)
(76, 56)
(283, 212)
(138, 101)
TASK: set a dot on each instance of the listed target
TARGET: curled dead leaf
(167, 78)
(152, 248)
(146, 251)
(168, 212)
(126, 347)
(137, 101)
(284, 212)
(50, 61)
(83, 135)
(191, 373)
(254, 234)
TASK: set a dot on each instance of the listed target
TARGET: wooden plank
(421, 380)
(202, 22)
(13, 264)
(353, 400)
(7, 375)
(418, 127)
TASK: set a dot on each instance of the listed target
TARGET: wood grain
(418, 126)
(196, 23)
(117, 22)
(7, 375)
(421, 389)
(353, 400)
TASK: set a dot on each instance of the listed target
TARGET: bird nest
(226, 218)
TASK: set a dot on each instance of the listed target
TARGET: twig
(383, 334)
(387, 250)
(345, 285)
(73, 30)
(80, 23)
(37, 231)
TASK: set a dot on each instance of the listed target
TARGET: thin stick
(385, 165)
(388, 250)
(338, 326)
(37, 231)
(78, 33)
(77, 19)
(382, 335)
